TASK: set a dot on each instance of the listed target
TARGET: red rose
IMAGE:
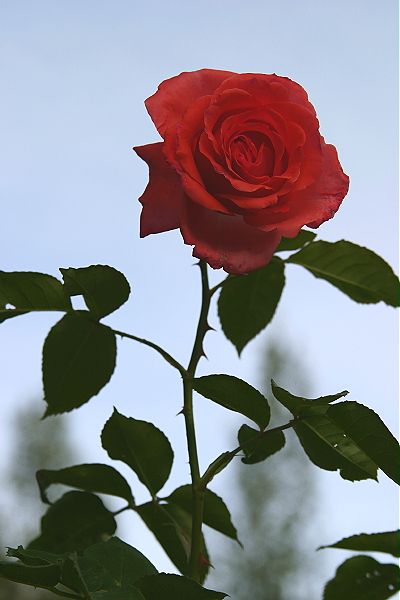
(241, 165)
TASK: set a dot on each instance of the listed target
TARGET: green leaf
(324, 441)
(78, 360)
(165, 586)
(23, 292)
(296, 404)
(75, 521)
(358, 272)
(141, 446)
(262, 445)
(236, 395)
(369, 432)
(36, 557)
(99, 478)
(218, 465)
(302, 238)
(216, 513)
(247, 303)
(132, 594)
(112, 567)
(42, 576)
(363, 578)
(103, 288)
(388, 542)
(322, 454)
(68, 575)
(172, 527)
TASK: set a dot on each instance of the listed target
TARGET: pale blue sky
(74, 77)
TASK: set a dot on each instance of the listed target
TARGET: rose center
(253, 153)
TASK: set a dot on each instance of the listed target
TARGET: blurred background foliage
(37, 444)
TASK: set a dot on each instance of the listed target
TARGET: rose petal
(226, 241)
(180, 152)
(163, 196)
(222, 125)
(167, 106)
(300, 116)
(228, 111)
(266, 88)
(311, 206)
(199, 194)
(243, 204)
(331, 187)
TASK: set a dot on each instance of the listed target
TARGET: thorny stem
(197, 490)
(202, 326)
(187, 377)
(199, 483)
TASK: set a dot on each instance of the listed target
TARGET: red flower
(241, 165)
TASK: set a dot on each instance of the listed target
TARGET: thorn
(203, 561)
(181, 412)
(202, 353)
(209, 328)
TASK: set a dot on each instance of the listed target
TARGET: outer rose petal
(226, 241)
(167, 106)
(179, 153)
(266, 88)
(311, 206)
(163, 196)
(331, 187)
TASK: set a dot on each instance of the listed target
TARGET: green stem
(225, 458)
(202, 326)
(197, 491)
(170, 359)
(266, 432)
(197, 495)
(220, 284)
(123, 509)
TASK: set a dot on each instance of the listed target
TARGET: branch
(170, 359)
(123, 509)
(225, 458)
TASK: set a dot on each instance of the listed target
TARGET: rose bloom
(241, 165)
